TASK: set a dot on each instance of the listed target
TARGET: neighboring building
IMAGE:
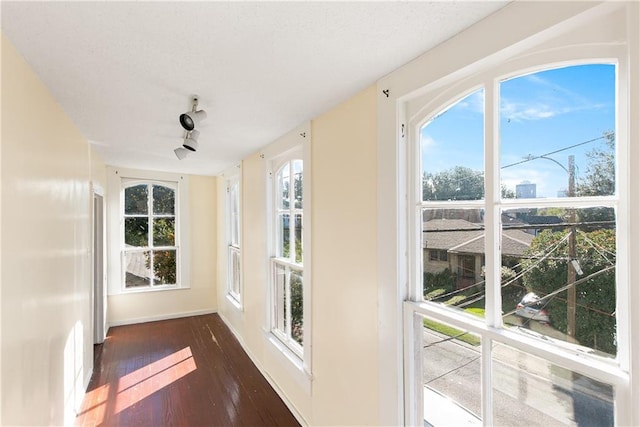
(526, 190)
(458, 245)
(470, 215)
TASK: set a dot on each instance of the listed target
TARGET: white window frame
(289, 264)
(296, 144)
(117, 180)
(615, 373)
(233, 248)
(420, 82)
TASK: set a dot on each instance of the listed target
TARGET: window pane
(282, 195)
(283, 236)
(563, 286)
(453, 258)
(164, 232)
(452, 151)
(136, 200)
(234, 195)
(136, 232)
(298, 237)
(531, 391)
(297, 183)
(137, 273)
(296, 306)
(164, 267)
(235, 270)
(163, 200)
(556, 133)
(280, 303)
(451, 376)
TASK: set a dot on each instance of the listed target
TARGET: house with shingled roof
(458, 245)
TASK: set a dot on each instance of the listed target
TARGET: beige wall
(46, 287)
(344, 389)
(201, 296)
(344, 256)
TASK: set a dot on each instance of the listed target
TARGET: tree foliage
(599, 180)
(596, 298)
(457, 183)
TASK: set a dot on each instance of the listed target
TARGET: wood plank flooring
(181, 372)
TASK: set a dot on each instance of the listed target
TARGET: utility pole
(571, 272)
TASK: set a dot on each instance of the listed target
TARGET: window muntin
(504, 199)
(287, 263)
(149, 235)
(234, 282)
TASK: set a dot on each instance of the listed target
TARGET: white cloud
(521, 112)
(427, 141)
(544, 101)
(473, 102)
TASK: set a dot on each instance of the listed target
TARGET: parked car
(532, 307)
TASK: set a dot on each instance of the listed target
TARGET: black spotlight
(189, 119)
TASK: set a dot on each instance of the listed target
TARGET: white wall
(47, 347)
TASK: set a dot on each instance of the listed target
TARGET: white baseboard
(255, 361)
(160, 317)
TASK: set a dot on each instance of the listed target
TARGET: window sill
(293, 364)
(149, 289)
(234, 302)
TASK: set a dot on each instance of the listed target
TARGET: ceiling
(124, 71)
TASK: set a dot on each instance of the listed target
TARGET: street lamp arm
(532, 157)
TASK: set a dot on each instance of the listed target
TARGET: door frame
(98, 266)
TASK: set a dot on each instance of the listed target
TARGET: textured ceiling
(124, 71)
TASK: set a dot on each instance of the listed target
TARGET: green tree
(596, 297)
(297, 330)
(457, 183)
(599, 180)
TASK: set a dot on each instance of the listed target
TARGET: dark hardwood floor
(181, 372)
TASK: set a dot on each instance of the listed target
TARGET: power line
(531, 158)
(528, 159)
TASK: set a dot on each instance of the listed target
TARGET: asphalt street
(527, 390)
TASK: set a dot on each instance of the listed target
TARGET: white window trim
(231, 176)
(491, 331)
(297, 140)
(115, 185)
(406, 85)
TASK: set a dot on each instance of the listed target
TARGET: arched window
(287, 262)
(149, 235)
(234, 264)
(519, 182)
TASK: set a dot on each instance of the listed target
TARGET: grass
(450, 331)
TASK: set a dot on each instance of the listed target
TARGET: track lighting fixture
(191, 141)
(181, 152)
(190, 119)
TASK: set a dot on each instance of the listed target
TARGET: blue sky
(539, 113)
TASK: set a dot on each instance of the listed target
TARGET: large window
(518, 180)
(149, 234)
(287, 262)
(234, 285)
